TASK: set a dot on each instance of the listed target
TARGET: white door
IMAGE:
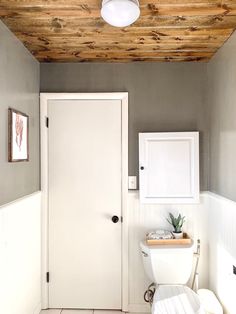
(84, 145)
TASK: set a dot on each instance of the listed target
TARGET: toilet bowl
(170, 267)
(175, 299)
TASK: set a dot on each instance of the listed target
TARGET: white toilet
(170, 267)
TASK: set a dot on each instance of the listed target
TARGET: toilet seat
(176, 299)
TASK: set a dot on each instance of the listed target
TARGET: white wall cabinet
(169, 167)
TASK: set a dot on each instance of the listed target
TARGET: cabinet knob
(115, 219)
(142, 168)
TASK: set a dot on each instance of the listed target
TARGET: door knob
(115, 219)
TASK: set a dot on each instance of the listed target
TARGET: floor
(64, 311)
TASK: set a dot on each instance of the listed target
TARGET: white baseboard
(38, 309)
(139, 308)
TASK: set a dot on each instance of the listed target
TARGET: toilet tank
(168, 264)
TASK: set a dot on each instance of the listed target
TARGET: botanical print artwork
(18, 129)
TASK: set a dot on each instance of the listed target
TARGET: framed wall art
(18, 136)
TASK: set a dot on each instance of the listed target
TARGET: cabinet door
(169, 167)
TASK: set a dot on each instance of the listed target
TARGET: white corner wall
(222, 250)
(20, 256)
(221, 100)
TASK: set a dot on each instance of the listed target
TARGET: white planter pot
(178, 235)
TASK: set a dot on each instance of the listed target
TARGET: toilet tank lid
(152, 248)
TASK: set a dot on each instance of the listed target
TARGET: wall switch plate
(132, 183)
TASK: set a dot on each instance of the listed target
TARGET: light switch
(132, 182)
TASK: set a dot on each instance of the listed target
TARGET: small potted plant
(177, 223)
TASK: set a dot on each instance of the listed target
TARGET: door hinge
(47, 276)
(47, 122)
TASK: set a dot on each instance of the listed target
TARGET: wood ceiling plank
(129, 40)
(71, 59)
(188, 10)
(36, 48)
(126, 43)
(67, 25)
(209, 33)
(154, 35)
(124, 54)
(77, 3)
(91, 11)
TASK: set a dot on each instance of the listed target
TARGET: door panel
(84, 194)
(169, 167)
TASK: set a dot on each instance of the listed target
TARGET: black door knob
(115, 219)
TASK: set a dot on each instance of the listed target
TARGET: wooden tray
(186, 240)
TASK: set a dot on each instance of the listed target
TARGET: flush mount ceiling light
(120, 13)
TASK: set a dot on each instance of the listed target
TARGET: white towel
(159, 234)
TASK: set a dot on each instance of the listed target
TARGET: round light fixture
(120, 13)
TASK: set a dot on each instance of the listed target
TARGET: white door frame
(44, 98)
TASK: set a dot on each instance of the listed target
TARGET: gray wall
(19, 88)
(221, 72)
(162, 97)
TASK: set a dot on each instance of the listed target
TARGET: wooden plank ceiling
(167, 30)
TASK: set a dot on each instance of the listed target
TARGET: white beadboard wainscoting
(222, 250)
(146, 217)
(20, 256)
(212, 221)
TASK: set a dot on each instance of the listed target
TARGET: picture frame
(18, 136)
